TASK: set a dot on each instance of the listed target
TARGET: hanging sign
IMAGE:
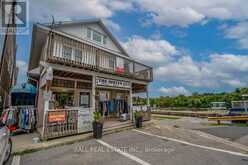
(119, 65)
(84, 120)
(112, 83)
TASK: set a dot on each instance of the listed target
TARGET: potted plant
(97, 125)
(138, 119)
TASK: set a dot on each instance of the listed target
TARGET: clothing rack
(20, 118)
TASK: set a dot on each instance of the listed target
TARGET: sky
(193, 46)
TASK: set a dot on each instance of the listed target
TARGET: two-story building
(81, 65)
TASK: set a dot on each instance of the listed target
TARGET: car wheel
(8, 151)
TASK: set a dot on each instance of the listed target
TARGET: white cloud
(76, 9)
(222, 70)
(238, 32)
(112, 25)
(148, 50)
(172, 65)
(174, 91)
(187, 12)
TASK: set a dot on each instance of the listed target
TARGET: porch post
(131, 103)
(147, 96)
(93, 96)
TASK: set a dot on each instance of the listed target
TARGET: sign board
(112, 83)
(54, 116)
(84, 120)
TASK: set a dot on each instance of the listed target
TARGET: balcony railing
(73, 52)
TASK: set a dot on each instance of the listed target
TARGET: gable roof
(91, 21)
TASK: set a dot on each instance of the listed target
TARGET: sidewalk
(23, 144)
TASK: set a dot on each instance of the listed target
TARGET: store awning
(24, 88)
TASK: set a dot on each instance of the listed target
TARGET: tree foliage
(198, 100)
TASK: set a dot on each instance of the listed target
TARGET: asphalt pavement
(131, 148)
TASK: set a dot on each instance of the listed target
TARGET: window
(88, 33)
(96, 36)
(67, 52)
(112, 62)
(78, 55)
(104, 40)
(84, 100)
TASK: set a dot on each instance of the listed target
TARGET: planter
(97, 130)
(138, 122)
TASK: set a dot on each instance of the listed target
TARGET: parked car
(5, 144)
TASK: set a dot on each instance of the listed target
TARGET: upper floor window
(67, 52)
(96, 36)
(78, 55)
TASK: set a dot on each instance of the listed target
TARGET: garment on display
(19, 118)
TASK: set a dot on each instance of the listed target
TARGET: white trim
(132, 157)
(194, 145)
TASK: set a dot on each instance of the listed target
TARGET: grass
(229, 124)
(163, 117)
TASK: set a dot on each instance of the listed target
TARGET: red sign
(54, 116)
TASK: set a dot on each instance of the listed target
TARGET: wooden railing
(68, 51)
(63, 125)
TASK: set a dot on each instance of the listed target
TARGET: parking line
(16, 160)
(194, 145)
(132, 157)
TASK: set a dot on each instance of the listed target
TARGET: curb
(80, 138)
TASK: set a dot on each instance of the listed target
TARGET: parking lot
(136, 147)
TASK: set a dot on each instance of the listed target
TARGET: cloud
(187, 12)
(238, 32)
(76, 9)
(22, 70)
(174, 91)
(112, 25)
(148, 50)
(221, 70)
(173, 65)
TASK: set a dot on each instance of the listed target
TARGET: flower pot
(138, 122)
(97, 130)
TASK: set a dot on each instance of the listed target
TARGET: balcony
(66, 50)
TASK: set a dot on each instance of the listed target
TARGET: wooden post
(93, 97)
(131, 103)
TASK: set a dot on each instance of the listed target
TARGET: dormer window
(96, 36)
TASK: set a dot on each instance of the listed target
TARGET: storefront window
(84, 100)
(62, 99)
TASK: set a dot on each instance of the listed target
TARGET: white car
(5, 144)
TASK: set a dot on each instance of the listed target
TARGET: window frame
(103, 38)
(63, 52)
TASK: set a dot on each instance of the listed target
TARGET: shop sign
(84, 120)
(54, 116)
(112, 83)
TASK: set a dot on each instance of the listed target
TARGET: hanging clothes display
(19, 118)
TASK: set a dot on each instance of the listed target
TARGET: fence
(60, 123)
(145, 109)
(65, 122)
